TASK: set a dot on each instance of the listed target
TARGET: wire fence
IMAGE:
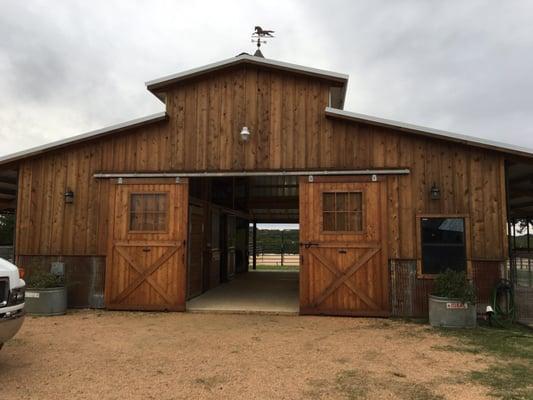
(519, 270)
(409, 293)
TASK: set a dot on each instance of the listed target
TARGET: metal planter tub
(51, 301)
(451, 313)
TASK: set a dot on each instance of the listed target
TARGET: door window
(148, 212)
(342, 211)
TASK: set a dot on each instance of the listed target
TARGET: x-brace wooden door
(343, 247)
(146, 262)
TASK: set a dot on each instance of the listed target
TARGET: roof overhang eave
(430, 132)
(156, 85)
(10, 158)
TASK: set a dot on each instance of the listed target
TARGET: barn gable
(338, 82)
(289, 109)
(283, 112)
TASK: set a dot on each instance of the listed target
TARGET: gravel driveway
(122, 355)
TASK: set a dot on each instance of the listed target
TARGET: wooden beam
(520, 192)
(522, 204)
(525, 178)
(280, 186)
(9, 192)
(274, 202)
(8, 180)
(8, 204)
(522, 212)
(7, 185)
(275, 220)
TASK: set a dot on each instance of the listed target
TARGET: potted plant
(452, 303)
(46, 294)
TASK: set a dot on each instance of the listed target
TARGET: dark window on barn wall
(342, 211)
(443, 244)
(148, 212)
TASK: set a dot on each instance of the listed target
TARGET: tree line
(276, 241)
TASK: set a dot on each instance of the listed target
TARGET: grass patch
(416, 391)
(511, 343)
(16, 342)
(411, 320)
(348, 384)
(319, 389)
(458, 349)
(357, 384)
(512, 381)
(210, 382)
(352, 384)
(512, 377)
(342, 360)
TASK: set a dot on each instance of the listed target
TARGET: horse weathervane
(259, 36)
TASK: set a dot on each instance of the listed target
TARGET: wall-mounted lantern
(245, 133)
(69, 196)
(434, 192)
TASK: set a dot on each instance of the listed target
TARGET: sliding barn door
(146, 268)
(343, 247)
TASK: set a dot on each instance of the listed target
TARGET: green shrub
(454, 285)
(44, 280)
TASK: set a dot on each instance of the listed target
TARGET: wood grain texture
(147, 270)
(289, 130)
(343, 272)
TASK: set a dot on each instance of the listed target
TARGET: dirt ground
(119, 355)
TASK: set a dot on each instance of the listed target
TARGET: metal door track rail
(403, 171)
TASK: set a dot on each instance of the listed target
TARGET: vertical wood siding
(289, 130)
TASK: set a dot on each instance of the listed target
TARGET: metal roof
(155, 84)
(430, 132)
(84, 137)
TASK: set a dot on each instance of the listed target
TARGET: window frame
(468, 243)
(363, 212)
(167, 222)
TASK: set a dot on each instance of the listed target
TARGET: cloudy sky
(67, 67)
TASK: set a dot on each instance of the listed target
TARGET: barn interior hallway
(222, 273)
(253, 292)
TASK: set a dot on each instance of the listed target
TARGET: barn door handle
(146, 249)
(310, 244)
(342, 251)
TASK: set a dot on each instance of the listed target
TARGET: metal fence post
(254, 245)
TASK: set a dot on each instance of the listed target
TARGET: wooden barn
(154, 212)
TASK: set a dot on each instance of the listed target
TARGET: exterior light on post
(434, 192)
(245, 133)
(69, 196)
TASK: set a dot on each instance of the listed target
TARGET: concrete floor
(273, 292)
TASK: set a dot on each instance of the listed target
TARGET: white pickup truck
(12, 291)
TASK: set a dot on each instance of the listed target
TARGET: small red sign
(456, 306)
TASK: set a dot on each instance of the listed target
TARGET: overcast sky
(67, 67)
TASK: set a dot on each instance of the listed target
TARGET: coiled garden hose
(503, 293)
